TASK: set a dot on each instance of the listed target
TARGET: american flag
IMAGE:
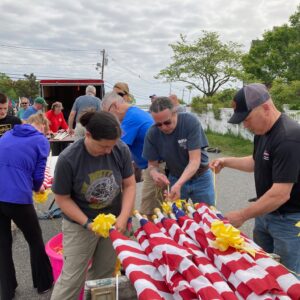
(148, 282)
(176, 283)
(287, 282)
(176, 258)
(48, 179)
(199, 258)
(249, 279)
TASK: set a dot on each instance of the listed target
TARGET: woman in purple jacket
(23, 156)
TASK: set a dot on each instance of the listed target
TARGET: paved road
(233, 190)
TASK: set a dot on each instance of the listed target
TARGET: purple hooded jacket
(23, 156)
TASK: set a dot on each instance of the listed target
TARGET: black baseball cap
(246, 99)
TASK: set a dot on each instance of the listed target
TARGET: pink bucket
(56, 259)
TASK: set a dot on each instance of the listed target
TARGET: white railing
(221, 125)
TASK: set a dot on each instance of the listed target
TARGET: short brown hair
(56, 104)
(3, 98)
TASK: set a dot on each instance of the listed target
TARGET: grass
(230, 145)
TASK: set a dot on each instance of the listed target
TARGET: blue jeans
(277, 233)
(200, 189)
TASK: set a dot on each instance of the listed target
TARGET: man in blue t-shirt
(135, 123)
(38, 106)
(180, 141)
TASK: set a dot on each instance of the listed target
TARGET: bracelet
(86, 224)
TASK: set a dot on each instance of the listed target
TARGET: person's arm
(159, 178)
(38, 175)
(71, 209)
(71, 121)
(245, 164)
(189, 171)
(276, 196)
(128, 200)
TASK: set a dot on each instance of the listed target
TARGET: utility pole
(103, 62)
(101, 65)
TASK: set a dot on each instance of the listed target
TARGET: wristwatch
(86, 224)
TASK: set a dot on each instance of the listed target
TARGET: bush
(286, 93)
(219, 100)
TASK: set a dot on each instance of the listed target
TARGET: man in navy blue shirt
(180, 141)
(135, 123)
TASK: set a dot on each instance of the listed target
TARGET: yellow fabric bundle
(103, 223)
(228, 236)
(41, 197)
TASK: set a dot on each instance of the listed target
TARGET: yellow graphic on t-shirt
(101, 189)
(4, 128)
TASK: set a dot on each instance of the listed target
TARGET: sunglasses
(121, 94)
(160, 124)
(24, 103)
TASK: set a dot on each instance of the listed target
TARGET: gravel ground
(233, 188)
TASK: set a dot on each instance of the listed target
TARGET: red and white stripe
(148, 282)
(288, 282)
(248, 280)
(167, 251)
(200, 259)
(48, 179)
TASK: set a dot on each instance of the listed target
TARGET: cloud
(64, 38)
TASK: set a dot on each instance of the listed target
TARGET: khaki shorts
(81, 246)
(152, 195)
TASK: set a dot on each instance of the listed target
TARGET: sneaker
(45, 291)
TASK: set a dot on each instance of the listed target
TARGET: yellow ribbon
(228, 236)
(179, 203)
(41, 197)
(166, 207)
(103, 223)
(298, 225)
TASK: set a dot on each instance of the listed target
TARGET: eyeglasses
(24, 103)
(160, 124)
(121, 94)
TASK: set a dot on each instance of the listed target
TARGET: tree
(7, 86)
(277, 55)
(286, 93)
(28, 87)
(205, 64)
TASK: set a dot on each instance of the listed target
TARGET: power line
(31, 64)
(4, 45)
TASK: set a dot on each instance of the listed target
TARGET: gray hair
(110, 98)
(90, 89)
(160, 104)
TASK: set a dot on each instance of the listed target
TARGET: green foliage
(230, 144)
(277, 55)
(28, 87)
(219, 100)
(205, 64)
(286, 93)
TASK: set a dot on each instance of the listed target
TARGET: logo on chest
(266, 155)
(182, 143)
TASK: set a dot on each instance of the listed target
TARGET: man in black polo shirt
(276, 166)
(7, 122)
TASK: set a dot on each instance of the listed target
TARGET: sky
(64, 39)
